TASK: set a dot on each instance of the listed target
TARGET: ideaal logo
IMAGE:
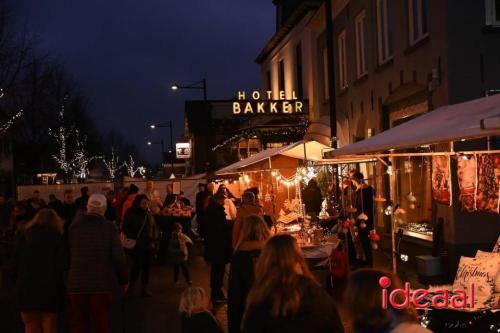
(420, 297)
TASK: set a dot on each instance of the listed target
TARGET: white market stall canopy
(310, 150)
(445, 124)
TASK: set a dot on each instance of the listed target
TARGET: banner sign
(183, 150)
(263, 103)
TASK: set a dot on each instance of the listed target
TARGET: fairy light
(131, 169)
(81, 161)
(10, 122)
(60, 136)
(113, 164)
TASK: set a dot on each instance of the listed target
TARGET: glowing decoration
(113, 164)
(388, 210)
(411, 206)
(10, 122)
(362, 225)
(257, 105)
(404, 257)
(81, 161)
(60, 136)
(410, 197)
(142, 171)
(389, 170)
(131, 168)
(273, 173)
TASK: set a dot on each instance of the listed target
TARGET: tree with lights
(81, 160)
(131, 168)
(113, 164)
(61, 135)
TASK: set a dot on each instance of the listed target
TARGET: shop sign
(262, 103)
(183, 150)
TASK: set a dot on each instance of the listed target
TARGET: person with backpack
(178, 253)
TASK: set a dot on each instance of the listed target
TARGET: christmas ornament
(363, 217)
(362, 225)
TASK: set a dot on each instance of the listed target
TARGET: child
(178, 252)
(195, 314)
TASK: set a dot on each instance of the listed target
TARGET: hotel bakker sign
(262, 103)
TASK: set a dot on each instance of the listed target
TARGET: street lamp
(169, 125)
(200, 85)
(150, 143)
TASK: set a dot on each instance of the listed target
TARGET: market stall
(439, 191)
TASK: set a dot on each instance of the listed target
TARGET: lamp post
(169, 125)
(200, 85)
(150, 143)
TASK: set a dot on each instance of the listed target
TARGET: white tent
(304, 150)
(445, 124)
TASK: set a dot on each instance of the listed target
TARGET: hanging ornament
(363, 217)
(362, 225)
(388, 210)
(411, 206)
(410, 197)
(351, 209)
(374, 239)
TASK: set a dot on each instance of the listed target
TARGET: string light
(81, 161)
(10, 122)
(112, 165)
(132, 170)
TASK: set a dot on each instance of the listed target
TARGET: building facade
(393, 61)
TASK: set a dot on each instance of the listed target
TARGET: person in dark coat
(170, 197)
(96, 262)
(55, 203)
(217, 245)
(81, 202)
(68, 209)
(285, 297)
(312, 198)
(110, 214)
(363, 202)
(196, 317)
(253, 236)
(138, 225)
(39, 262)
(200, 211)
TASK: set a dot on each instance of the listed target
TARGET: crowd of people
(73, 251)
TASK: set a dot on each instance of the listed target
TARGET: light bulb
(388, 210)
(404, 257)
(389, 170)
(273, 173)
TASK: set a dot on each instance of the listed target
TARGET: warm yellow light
(174, 87)
(153, 126)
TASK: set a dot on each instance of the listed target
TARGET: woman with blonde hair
(196, 317)
(252, 238)
(363, 299)
(39, 261)
(285, 297)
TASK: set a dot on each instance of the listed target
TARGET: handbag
(129, 243)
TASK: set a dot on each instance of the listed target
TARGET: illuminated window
(383, 36)
(492, 12)
(360, 45)
(342, 60)
(418, 23)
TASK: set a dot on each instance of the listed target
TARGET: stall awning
(445, 124)
(310, 150)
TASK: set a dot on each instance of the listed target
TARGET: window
(342, 61)
(418, 23)
(326, 90)
(298, 71)
(360, 45)
(281, 75)
(383, 37)
(492, 12)
(269, 81)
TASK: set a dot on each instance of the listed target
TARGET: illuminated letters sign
(183, 150)
(262, 103)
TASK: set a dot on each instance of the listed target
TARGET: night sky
(125, 54)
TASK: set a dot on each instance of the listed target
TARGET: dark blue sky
(125, 54)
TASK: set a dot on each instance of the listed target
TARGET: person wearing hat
(96, 260)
